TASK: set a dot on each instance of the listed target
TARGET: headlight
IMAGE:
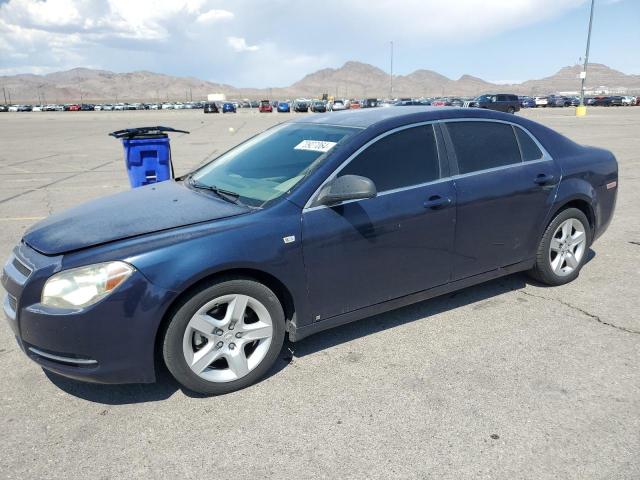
(84, 286)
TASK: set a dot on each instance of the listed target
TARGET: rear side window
(483, 145)
(402, 159)
(530, 150)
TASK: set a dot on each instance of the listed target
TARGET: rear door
(505, 185)
(364, 252)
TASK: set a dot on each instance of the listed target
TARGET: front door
(365, 252)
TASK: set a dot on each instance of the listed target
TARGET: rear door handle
(544, 179)
(436, 201)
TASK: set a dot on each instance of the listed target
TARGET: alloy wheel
(227, 338)
(567, 247)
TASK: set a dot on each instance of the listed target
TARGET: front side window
(402, 159)
(483, 145)
(272, 163)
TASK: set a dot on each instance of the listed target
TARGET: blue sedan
(284, 107)
(228, 107)
(310, 225)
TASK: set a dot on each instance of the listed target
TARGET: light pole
(583, 74)
(391, 73)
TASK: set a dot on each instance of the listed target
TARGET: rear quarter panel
(590, 174)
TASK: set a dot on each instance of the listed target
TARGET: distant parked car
(265, 107)
(228, 107)
(318, 107)
(211, 107)
(301, 106)
(558, 101)
(25, 108)
(338, 105)
(438, 102)
(527, 102)
(37, 108)
(541, 101)
(617, 101)
(501, 102)
(284, 107)
(627, 101)
(12, 108)
(370, 103)
(354, 104)
(456, 102)
(4, 108)
(575, 101)
(87, 107)
(418, 103)
(601, 101)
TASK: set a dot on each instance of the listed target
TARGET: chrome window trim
(308, 207)
(546, 157)
(495, 169)
(50, 356)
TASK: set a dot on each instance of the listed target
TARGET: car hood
(147, 209)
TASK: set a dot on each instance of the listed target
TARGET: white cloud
(239, 44)
(214, 15)
(175, 36)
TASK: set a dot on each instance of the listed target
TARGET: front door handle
(436, 201)
(544, 179)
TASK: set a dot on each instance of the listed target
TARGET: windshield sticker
(315, 146)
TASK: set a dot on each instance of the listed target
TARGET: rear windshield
(272, 163)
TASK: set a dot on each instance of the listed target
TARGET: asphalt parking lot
(505, 380)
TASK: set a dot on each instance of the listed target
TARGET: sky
(271, 43)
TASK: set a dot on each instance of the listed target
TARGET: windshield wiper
(231, 197)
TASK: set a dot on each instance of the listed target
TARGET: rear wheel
(511, 110)
(563, 248)
(225, 337)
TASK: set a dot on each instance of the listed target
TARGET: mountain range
(352, 80)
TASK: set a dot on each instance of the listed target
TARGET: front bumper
(112, 341)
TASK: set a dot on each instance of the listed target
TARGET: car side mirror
(347, 187)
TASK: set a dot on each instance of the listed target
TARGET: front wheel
(225, 337)
(511, 110)
(563, 248)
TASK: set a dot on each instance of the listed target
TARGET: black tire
(542, 270)
(172, 349)
(511, 110)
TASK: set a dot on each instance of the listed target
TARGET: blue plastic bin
(147, 154)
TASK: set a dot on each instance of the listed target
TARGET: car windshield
(272, 163)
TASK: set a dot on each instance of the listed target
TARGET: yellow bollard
(581, 111)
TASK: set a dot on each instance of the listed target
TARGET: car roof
(398, 115)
